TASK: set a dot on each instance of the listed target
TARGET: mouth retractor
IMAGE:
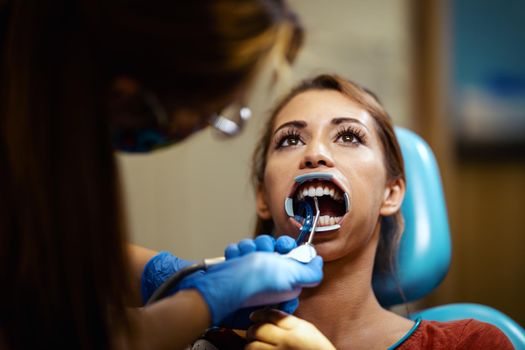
(302, 205)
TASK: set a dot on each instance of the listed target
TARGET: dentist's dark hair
(391, 227)
(63, 263)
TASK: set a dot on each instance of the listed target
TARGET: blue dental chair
(425, 248)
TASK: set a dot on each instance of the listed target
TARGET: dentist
(79, 79)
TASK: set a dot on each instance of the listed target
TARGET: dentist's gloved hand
(259, 278)
(158, 269)
(164, 265)
(240, 319)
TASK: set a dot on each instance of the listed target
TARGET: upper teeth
(319, 190)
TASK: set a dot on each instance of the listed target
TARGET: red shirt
(456, 335)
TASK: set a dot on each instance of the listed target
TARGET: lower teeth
(326, 220)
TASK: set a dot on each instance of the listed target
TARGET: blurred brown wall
(485, 198)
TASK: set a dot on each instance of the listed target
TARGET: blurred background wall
(195, 198)
(469, 77)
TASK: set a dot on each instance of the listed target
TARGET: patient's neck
(344, 307)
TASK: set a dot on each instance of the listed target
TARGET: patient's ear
(393, 198)
(262, 205)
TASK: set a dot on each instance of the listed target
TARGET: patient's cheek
(286, 228)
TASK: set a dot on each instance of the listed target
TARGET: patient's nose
(316, 155)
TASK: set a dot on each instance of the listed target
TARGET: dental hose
(178, 276)
(308, 227)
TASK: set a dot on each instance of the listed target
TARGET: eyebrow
(300, 124)
(337, 121)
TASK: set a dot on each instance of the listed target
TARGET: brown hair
(63, 265)
(192, 49)
(391, 227)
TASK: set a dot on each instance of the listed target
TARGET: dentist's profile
(79, 80)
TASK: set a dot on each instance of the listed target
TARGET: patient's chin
(329, 250)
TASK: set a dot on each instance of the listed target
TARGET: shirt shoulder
(461, 334)
(481, 335)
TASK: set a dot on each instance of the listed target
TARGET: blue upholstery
(425, 247)
(423, 258)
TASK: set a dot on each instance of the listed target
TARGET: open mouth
(334, 203)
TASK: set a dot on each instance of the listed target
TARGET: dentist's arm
(139, 257)
(171, 323)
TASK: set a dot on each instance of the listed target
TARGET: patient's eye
(350, 135)
(289, 138)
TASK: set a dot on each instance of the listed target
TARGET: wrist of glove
(159, 269)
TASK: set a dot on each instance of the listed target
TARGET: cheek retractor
(306, 252)
(295, 207)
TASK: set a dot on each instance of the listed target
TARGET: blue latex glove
(240, 319)
(259, 278)
(159, 269)
(263, 243)
(164, 265)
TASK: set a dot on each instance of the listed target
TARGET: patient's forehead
(322, 106)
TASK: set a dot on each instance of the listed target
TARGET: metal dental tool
(314, 225)
(307, 221)
(306, 252)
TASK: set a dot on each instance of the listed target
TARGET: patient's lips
(334, 203)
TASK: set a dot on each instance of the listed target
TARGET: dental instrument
(306, 252)
(307, 221)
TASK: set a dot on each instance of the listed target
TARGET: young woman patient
(331, 139)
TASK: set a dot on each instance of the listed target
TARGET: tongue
(329, 207)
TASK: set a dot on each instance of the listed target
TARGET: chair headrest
(425, 248)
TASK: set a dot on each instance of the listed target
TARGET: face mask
(155, 130)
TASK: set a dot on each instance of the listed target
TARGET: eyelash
(353, 131)
(358, 134)
(286, 135)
